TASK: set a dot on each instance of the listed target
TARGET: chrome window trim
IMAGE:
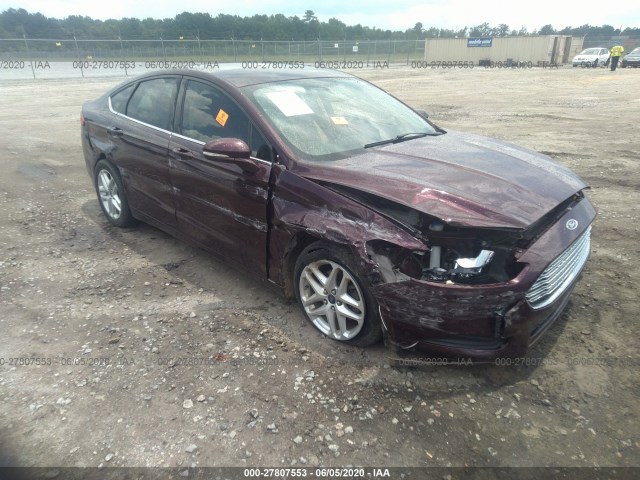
(136, 120)
(199, 142)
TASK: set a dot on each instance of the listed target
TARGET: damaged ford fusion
(379, 222)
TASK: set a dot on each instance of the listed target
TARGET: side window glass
(119, 100)
(259, 146)
(153, 102)
(208, 113)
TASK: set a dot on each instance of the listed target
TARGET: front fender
(303, 211)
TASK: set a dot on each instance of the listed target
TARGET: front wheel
(113, 200)
(334, 299)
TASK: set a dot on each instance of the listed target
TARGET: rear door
(141, 145)
(220, 204)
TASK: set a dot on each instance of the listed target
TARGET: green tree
(547, 30)
(16, 22)
(333, 29)
(502, 30)
(310, 16)
(482, 30)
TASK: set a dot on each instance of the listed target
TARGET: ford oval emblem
(572, 224)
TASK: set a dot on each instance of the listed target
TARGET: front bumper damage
(483, 322)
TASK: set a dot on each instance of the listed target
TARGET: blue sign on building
(479, 42)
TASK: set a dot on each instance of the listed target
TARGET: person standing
(616, 53)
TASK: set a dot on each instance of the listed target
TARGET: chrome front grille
(560, 273)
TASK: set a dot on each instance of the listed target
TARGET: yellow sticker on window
(222, 117)
(339, 120)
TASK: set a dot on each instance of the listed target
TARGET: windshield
(330, 118)
(590, 51)
(636, 51)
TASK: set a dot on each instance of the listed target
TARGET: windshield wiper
(402, 138)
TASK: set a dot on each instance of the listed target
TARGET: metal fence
(22, 58)
(628, 41)
(32, 55)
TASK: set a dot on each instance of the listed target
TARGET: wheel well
(300, 243)
(99, 158)
(297, 244)
(91, 168)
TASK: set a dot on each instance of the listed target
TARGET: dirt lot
(273, 391)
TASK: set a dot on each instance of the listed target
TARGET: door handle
(115, 131)
(183, 152)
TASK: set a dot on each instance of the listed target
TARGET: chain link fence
(41, 57)
(22, 58)
(629, 42)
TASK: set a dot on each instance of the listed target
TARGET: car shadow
(184, 262)
(180, 259)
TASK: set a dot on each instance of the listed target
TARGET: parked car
(591, 57)
(377, 220)
(632, 59)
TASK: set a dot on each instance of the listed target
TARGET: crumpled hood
(463, 179)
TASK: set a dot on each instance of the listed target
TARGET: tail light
(81, 119)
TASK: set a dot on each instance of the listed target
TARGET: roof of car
(242, 77)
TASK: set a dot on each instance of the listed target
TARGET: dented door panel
(220, 205)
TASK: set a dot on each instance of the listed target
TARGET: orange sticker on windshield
(339, 120)
(222, 117)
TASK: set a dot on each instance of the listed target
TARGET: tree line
(16, 23)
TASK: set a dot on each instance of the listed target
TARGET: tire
(111, 195)
(333, 298)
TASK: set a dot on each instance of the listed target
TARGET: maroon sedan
(375, 219)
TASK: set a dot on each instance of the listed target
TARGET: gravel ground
(153, 354)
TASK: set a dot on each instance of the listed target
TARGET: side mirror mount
(221, 148)
(232, 151)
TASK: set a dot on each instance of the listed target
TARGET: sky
(386, 14)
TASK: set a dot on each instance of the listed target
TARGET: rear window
(119, 100)
(153, 102)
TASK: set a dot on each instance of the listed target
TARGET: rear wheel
(113, 200)
(334, 299)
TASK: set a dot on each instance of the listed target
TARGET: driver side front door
(221, 205)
